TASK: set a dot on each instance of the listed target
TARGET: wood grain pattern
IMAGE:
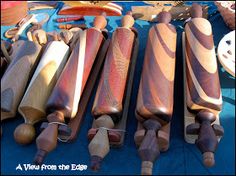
(108, 103)
(155, 100)
(156, 91)
(32, 106)
(109, 96)
(202, 88)
(64, 99)
(201, 66)
(21, 68)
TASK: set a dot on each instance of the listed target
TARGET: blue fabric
(181, 158)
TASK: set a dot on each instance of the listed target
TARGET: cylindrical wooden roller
(203, 86)
(107, 107)
(64, 99)
(14, 82)
(32, 106)
(156, 90)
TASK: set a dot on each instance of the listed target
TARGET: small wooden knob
(146, 168)
(24, 133)
(208, 159)
(39, 36)
(164, 17)
(100, 21)
(196, 11)
(127, 21)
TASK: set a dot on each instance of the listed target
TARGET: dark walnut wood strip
(200, 74)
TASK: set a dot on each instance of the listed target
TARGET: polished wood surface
(156, 91)
(203, 93)
(64, 99)
(24, 60)
(108, 103)
(32, 106)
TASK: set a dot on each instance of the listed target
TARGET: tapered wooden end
(128, 20)
(100, 22)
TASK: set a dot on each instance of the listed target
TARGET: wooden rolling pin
(156, 90)
(32, 106)
(25, 57)
(107, 107)
(203, 86)
(64, 99)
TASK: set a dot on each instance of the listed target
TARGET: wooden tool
(32, 106)
(203, 93)
(25, 57)
(12, 12)
(108, 104)
(64, 99)
(156, 91)
(150, 13)
(69, 26)
(66, 19)
(5, 56)
(90, 9)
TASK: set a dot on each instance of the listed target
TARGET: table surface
(181, 158)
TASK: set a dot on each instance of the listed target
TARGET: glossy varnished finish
(109, 99)
(203, 93)
(156, 91)
(64, 99)
(15, 79)
(32, 106)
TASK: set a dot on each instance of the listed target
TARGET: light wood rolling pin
(32, 106)
(108, 104)
(203, 93)
(156, 92)
(25, 58)
(64, 99)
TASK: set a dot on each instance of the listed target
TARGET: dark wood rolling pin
(32, 106)
(108, 104)
(202, 84)
(156, 90)
(64, 99)
(25, 57)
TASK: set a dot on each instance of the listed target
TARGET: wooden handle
(24, 61)
(100, 21)
(164, 17)
(110, 92)
(196, 11)
(156, 89)
(149, 149)
(69, 26)
(32, 106)
(77, 18)
(99, 146)
(127, 21)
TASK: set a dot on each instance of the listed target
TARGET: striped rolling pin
(156, 90)
(203, 86)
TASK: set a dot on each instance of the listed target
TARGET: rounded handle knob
(100, 21)
(196, 11)
(164, 17)
(127, 20)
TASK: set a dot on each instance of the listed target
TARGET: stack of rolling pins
(202, 86)
(156, 92)
(110, 108)
(64, 99)
(32, 106)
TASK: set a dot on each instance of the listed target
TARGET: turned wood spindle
(155, 97)
(203, 86)
(64, 99)
(107, 107)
